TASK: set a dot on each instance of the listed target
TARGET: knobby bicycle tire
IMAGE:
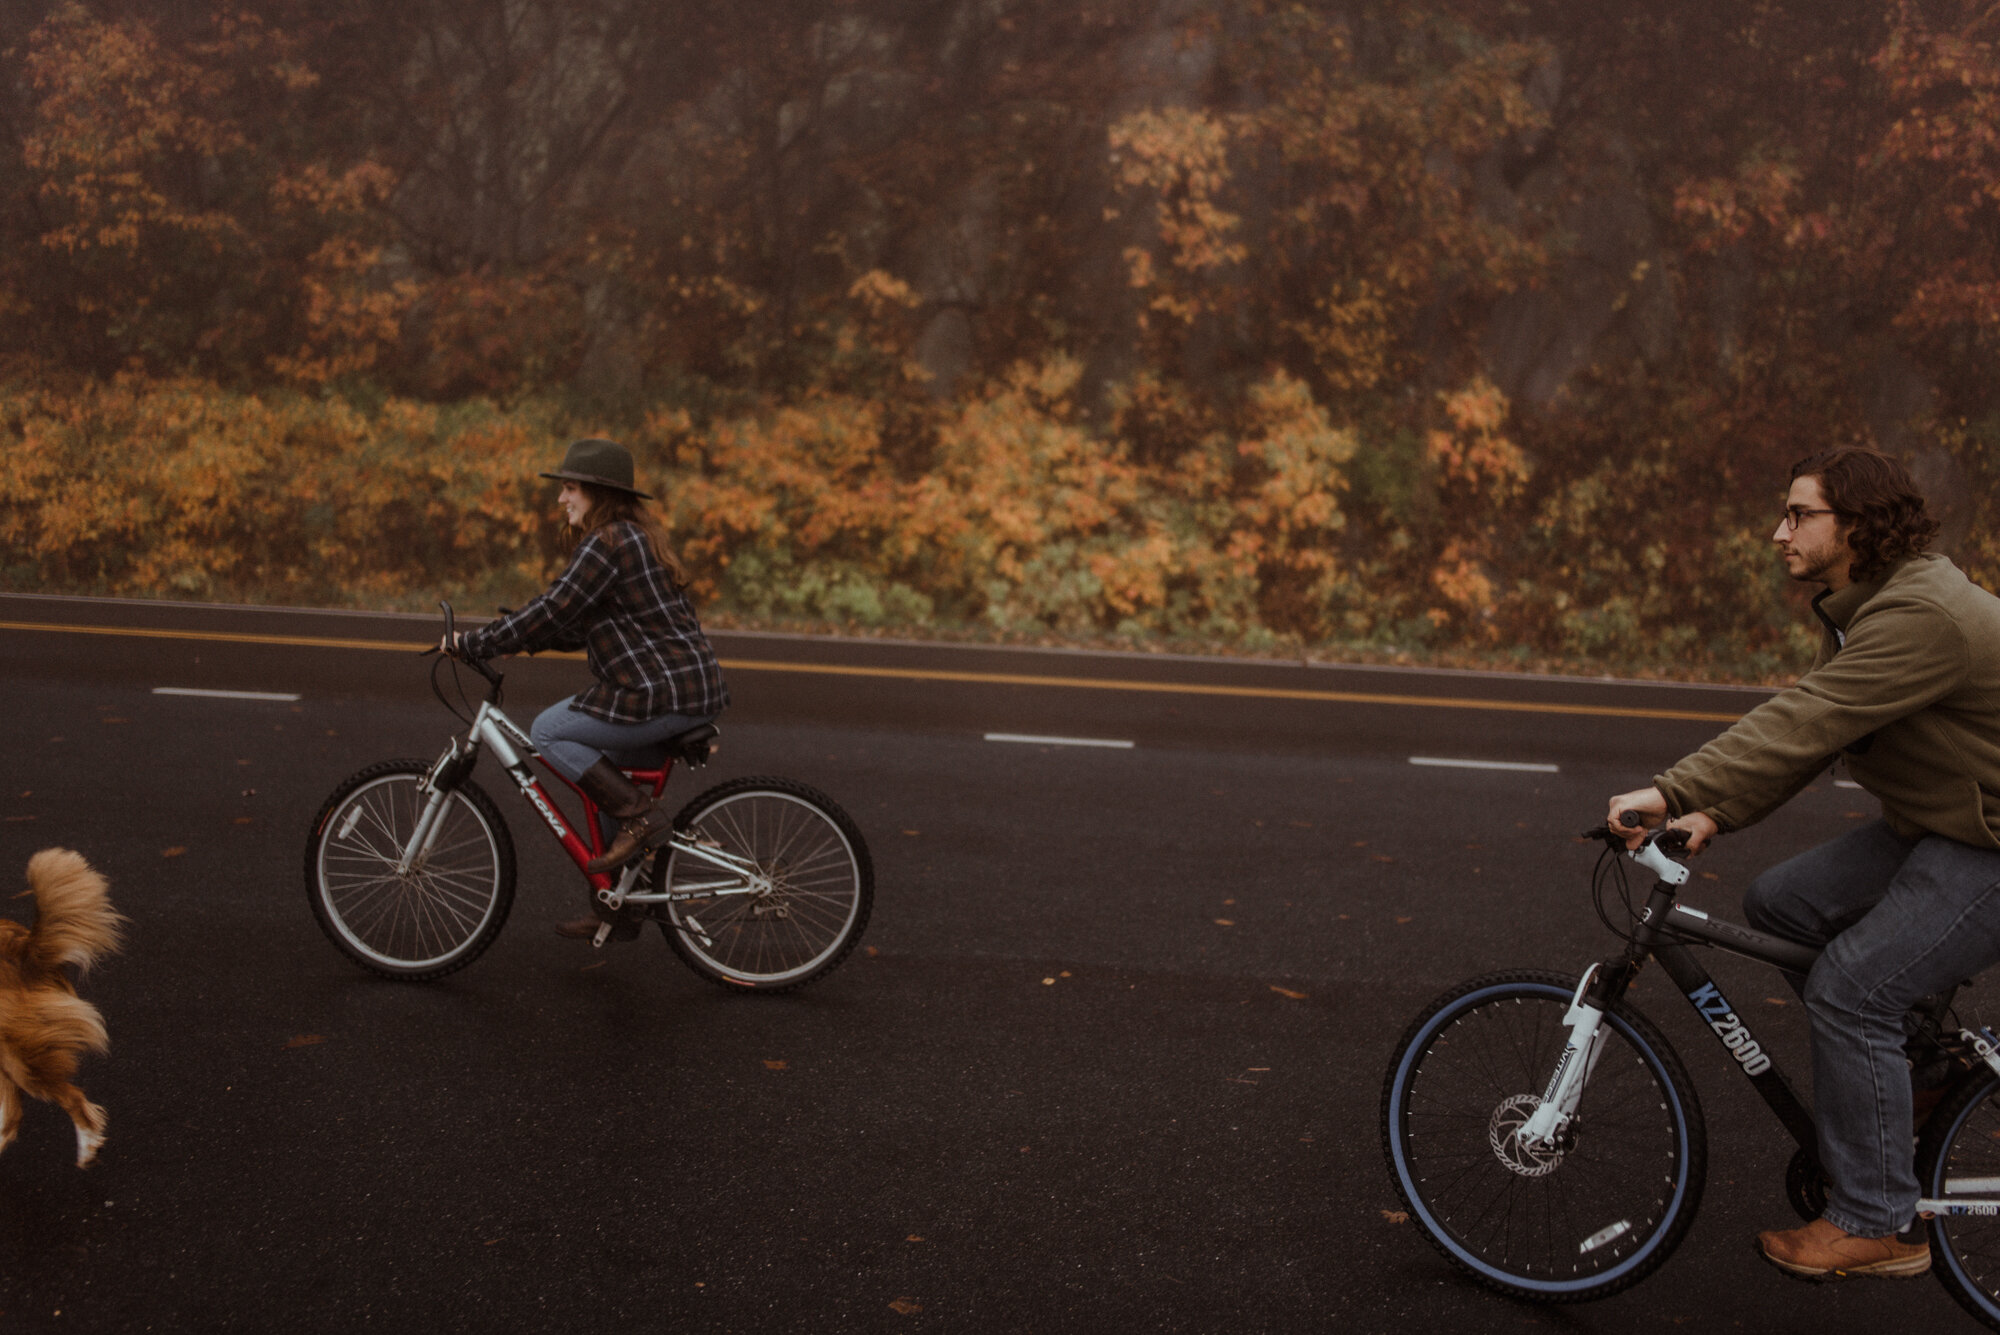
(1577, 1223)
(823, 886)
(431, 921)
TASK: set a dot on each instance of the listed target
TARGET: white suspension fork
(1573, 1069)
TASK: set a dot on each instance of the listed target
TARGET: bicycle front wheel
(785, 896)
(417, 922)
(1959, 1155)
(1591, 1215)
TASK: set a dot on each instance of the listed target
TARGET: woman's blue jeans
(571, 741)
(1900, 920)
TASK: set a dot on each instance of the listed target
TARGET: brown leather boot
(1821, 1250)
(639, 825)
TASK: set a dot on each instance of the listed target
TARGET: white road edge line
(1058, 741)
(225, 695)
(1484, 764)
(1845, 783)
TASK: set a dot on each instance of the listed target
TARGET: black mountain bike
(1548, 1141)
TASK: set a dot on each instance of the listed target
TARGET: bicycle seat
(691, 748)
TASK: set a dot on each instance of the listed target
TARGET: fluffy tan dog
(44, 1025)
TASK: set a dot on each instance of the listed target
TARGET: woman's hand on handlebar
(1649, 807)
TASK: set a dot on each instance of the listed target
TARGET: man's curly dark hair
(1872, 492)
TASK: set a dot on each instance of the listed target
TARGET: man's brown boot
(1821, 1250)
(639, 825)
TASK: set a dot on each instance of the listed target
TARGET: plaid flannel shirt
(645, 646)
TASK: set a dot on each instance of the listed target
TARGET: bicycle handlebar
(478, 665)
(1671, 842)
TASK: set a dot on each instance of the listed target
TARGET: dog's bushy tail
(74, 920)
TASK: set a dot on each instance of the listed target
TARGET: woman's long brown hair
(611, 506)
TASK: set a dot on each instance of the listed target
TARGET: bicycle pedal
(603, 935)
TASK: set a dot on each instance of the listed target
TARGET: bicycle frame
(1663, 927)
(512, 749)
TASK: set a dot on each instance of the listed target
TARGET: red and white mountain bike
(765, 883)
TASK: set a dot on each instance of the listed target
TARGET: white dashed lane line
(1058, 741)
(283, 696)
(1517, 765)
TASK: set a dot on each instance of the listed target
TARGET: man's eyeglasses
(1798, 514)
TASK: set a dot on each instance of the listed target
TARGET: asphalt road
(1110, 1059)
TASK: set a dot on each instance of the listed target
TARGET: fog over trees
(1471, 326)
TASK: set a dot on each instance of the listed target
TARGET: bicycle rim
(1582, 1222)
(426, 918)
(796, 915)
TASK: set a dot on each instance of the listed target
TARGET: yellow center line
(939, 674)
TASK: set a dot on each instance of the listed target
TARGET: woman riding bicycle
(623, 598)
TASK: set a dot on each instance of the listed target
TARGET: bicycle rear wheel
(439, 915)
(1587, 1218)
(1961, 1143)
(794, 917)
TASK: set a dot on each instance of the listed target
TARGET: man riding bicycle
(1906, 688)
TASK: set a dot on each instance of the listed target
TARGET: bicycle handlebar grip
(1631, 820)
(1672, 842)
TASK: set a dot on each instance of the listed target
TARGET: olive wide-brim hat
(603, 463)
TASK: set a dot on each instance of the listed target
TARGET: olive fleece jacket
(1906, 683)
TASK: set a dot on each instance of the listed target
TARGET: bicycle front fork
(1585, 1022)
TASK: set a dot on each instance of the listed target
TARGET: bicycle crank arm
(617, 896)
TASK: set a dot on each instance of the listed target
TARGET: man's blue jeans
(1900, 920)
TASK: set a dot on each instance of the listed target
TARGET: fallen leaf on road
(770, 1065)
(1287, 992)
(909, 832)
(1361, 843)
(241, 820)
(906, 1306)
(1048, 982)
(1345, 916)
(18, 818)
(594, 964)
(304, 1040)
(1774, 1001)
(871, 950)
(1383, 857)
(913, 1238)
(1225, 922)
(1397, 1216)
(1402, 920)
(173, 852)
